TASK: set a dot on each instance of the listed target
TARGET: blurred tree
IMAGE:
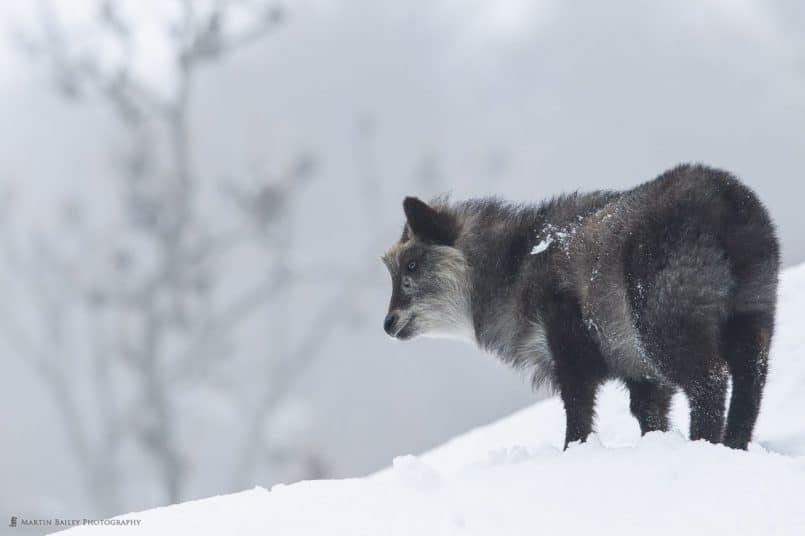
(151, 297)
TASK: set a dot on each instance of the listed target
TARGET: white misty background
(195, 196)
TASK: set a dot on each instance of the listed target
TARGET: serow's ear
(429, 224)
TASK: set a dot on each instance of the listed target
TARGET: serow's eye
(411, 266)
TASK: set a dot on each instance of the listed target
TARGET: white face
(429, 292)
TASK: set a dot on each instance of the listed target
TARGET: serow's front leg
(578, 396)
(650, 403)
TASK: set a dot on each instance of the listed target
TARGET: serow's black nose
(389, 322)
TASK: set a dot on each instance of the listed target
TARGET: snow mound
(511, 477)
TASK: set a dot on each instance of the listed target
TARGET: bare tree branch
(136, 323)
(208, 41)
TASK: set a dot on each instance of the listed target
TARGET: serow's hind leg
(707, 397)
(650, 403)
(747, 341)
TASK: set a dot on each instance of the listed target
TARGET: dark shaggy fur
(670, 285)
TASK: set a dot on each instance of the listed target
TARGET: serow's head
(429, 276)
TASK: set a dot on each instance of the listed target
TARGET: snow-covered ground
(512, 478)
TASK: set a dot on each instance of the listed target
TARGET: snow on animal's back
(511, 477)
